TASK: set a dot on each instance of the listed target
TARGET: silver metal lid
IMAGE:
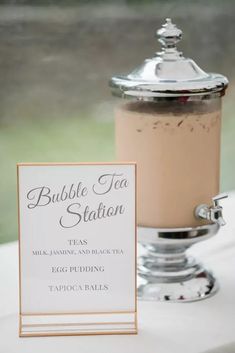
(168, 73)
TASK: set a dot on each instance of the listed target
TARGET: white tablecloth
(163, 327)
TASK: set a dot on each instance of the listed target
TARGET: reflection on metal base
(166, 273)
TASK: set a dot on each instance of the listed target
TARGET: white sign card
(77, 248)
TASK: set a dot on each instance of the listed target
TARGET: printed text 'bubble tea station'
(170, 124)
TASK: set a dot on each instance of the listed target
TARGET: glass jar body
(176, 144)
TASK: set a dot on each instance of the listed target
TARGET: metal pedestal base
(166, 273)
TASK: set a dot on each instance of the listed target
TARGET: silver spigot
(212, 213)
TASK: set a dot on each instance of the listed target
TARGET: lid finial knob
(169, 35)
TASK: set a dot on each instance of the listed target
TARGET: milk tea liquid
(177, 149)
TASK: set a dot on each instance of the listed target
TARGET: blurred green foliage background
(56, 58)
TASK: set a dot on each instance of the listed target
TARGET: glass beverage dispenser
(170, 126)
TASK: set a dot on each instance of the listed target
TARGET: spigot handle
(216, 199)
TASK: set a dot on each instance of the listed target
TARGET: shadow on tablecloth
(228, 348)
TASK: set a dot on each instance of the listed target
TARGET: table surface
(163, 327)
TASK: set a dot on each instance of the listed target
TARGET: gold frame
(21, 334)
